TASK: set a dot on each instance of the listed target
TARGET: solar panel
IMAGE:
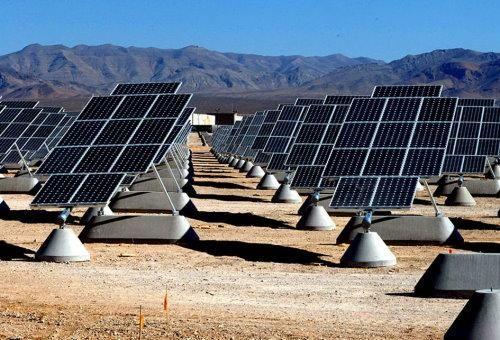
(308, 101)
(72, 190)
(109, 148)
(19, 104)
(475, 136)
(51, 109)
(34, 137)
(476, 102)
(146, 88)
(374, 192)
(407, 91)
(341, 100)
(284, 129)
(381, 171)
(418, 151)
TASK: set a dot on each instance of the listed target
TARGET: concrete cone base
(92, 212)
(315, 218)
(139, 229)
(285, 194)
(460, 196)
(240, 164)
(246, 166)
(306, 204)
(268, 182)
(496, 171)
(230, 159)
(479, 319)
(256, 172)
(367, 250)
(233, 163)
(62, 245)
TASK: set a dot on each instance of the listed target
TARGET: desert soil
(252, 275)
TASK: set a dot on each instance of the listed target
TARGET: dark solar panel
(341, 100)
(146, 88)
(407, 91)
(20, 104)
(308, 101)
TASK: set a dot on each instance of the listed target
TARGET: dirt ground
(252, 275)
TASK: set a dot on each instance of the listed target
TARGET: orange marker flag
(165, 301)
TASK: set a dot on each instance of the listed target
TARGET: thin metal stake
(436, 209)
(491, 168)
(174, 210)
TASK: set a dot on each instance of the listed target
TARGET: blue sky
(379, 29)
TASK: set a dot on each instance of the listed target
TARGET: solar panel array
(112, 137)
(240, 133)
(14, 125)
(282, 136)
(475, 135)
(384, 145)
(251, 134)
(265, 130)
(313, 145)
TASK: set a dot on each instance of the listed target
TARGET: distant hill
(247, 82)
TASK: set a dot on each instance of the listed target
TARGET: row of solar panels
(379, 144)
(29, 130)
(114, 138)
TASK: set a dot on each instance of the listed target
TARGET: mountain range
(67, 76)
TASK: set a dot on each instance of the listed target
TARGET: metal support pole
(491, 168)
(179, 189)
(436, 209)
(174, 210)
(23, 160)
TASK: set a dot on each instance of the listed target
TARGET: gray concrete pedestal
(139, 229)
(268, 182)
(151, 202)
(285, 194)
(19, 185)
(315, 218)
(62, 245)
(405, 229)
(367, 250)
(460, 196)
(479, 319)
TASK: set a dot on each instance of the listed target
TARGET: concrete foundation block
(152, 202)
(460, 275)
(18, 185)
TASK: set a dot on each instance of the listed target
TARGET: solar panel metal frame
(432, 91)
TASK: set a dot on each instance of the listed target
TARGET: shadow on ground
(259, 252)
(229, 198)
(466, 224)
(10, 251)
(33, 216)
(481, 247)
(239, 219)
(223, 185)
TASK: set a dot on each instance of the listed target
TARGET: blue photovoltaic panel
(98, 150)
(146, 88)
(308, 101)
(407, 91)
(475, 136)
(423, 141)
(341, 100)
(374, 192)
(381, 169)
